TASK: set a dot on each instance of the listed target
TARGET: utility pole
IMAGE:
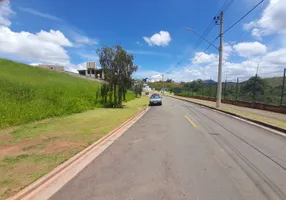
(283, 86)
(163, 84)
(237, 82)
(218, 20)
(219, 86)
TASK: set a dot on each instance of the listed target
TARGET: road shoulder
(31, 151)
(260, 120)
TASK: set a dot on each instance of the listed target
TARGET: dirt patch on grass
(29, 151)
(15, 149)
(61, 146)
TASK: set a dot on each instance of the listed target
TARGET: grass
(30, 93)
(29, 151)
(274, 122)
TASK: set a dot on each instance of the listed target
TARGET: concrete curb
(24, 193)
(236, 115)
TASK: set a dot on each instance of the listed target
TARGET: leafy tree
(138, 87)
(118, 68)
(169, 81)
(253, 87)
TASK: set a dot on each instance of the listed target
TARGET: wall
(260, 106)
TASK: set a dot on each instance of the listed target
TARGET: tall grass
(29, 93)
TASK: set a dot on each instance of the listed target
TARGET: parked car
(155, 99)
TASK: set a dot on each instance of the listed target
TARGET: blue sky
(79, 28)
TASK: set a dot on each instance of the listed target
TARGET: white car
(155, 99)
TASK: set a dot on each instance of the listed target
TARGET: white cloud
(276, 57)
(37, 13)
(250, 49)
(162, 38)
(270, 64)
(43, 47)
(74, 67)
(227, 49)
(151, 75)
(156, 77)
(55, 37)
(272, 20)
(201, 57)
(80, 39)
(5, 13)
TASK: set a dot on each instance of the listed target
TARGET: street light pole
(163, 84)
(219, 85)
(220, 49)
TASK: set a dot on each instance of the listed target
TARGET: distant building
(91, 65)
(53, 67)
(92, 71)
(146, 88)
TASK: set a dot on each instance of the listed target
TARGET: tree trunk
(110, 94)
(124, 94)
(120, 95)
(115, 96)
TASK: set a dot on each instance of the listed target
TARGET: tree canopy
(118, 68)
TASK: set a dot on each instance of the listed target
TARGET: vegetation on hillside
(40, 146)
(30, 93)
(255, 89)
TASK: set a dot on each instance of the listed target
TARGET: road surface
(184, 151)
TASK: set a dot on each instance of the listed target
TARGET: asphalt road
(184, 151)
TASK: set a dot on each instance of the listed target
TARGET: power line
(207, 48)
(264, 14)
(227, 6)
(224, 8)
(205, 34)
(243, 16)
(209, 28)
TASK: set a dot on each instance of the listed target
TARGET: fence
(270, 91)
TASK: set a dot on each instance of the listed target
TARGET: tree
(169, 81)
(118, 68)
(253, 87)
(138, 87)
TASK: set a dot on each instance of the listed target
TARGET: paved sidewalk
(276, 119)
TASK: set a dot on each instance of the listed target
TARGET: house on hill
(92, 71)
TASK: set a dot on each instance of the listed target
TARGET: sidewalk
(272, 118)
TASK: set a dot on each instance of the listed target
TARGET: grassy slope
(30, 151)
(29, 93)
(275, 81)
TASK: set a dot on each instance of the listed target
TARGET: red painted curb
(30, 188)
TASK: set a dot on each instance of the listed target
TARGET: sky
(68, 33)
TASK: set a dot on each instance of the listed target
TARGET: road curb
(24, 193)
(236, 115)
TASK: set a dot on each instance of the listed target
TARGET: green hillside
(268, 90)
(274, 81)
(29, 93)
